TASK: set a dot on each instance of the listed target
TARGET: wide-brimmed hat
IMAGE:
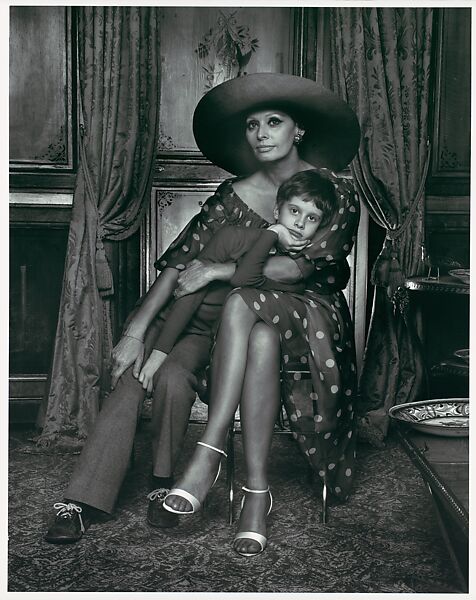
(332, 130)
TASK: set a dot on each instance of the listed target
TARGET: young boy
(304, 203)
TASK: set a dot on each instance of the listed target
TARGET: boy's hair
(310, 186)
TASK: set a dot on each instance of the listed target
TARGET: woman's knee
(264, 342)
(234, 305)
(236, 314)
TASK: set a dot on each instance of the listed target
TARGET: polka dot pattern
(313, 327)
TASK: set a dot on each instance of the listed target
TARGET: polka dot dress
(315, 329)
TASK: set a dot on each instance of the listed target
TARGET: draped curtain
(381, 66)
(119, 65)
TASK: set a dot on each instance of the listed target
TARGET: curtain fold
(119, 75)
(381, 67)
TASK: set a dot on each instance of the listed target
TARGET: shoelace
(158, 494)
(66, 511)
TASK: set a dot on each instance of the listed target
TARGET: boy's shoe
(71, 521)
(157, 516)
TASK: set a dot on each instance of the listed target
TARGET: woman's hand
(286, 240)
(146, 375)
(197, 275)
(128, 351)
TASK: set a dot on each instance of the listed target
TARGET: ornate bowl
(463, 354)
(448, 417)
(461, 274)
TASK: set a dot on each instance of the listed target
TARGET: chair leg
(230, 470)
(324, 503)
(310, 475)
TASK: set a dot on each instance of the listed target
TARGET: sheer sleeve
(334, 241)
(331, 244)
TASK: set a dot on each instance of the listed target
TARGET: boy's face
(300, 218)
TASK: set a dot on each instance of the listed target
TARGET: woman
(260, 329)
(330, 139)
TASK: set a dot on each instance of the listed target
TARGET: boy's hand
(146, 375)
(287, 241)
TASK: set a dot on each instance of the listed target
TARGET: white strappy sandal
(253, 535)
(195, 502)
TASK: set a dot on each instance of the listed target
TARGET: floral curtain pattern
(381, 66)
(119, 66)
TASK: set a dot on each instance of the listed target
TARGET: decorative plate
(463, 354)
(461, 274)
(447, 417)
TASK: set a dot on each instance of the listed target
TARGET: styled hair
(310, 186)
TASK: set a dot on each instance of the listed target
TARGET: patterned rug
(384, 539)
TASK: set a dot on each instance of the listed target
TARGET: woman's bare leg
(228, 372)
(259, 407)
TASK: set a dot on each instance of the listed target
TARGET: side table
(438, 317)
(443, 462)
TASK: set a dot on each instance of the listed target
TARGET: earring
(298, 138)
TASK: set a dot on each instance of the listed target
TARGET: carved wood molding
(448, 214)
(447, 204)
(52, 217)
(164, 200)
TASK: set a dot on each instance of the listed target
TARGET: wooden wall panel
(447, 231)
(41, 126)
(447, 219)
(171, 209)
(187, 75)
(451, 135)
